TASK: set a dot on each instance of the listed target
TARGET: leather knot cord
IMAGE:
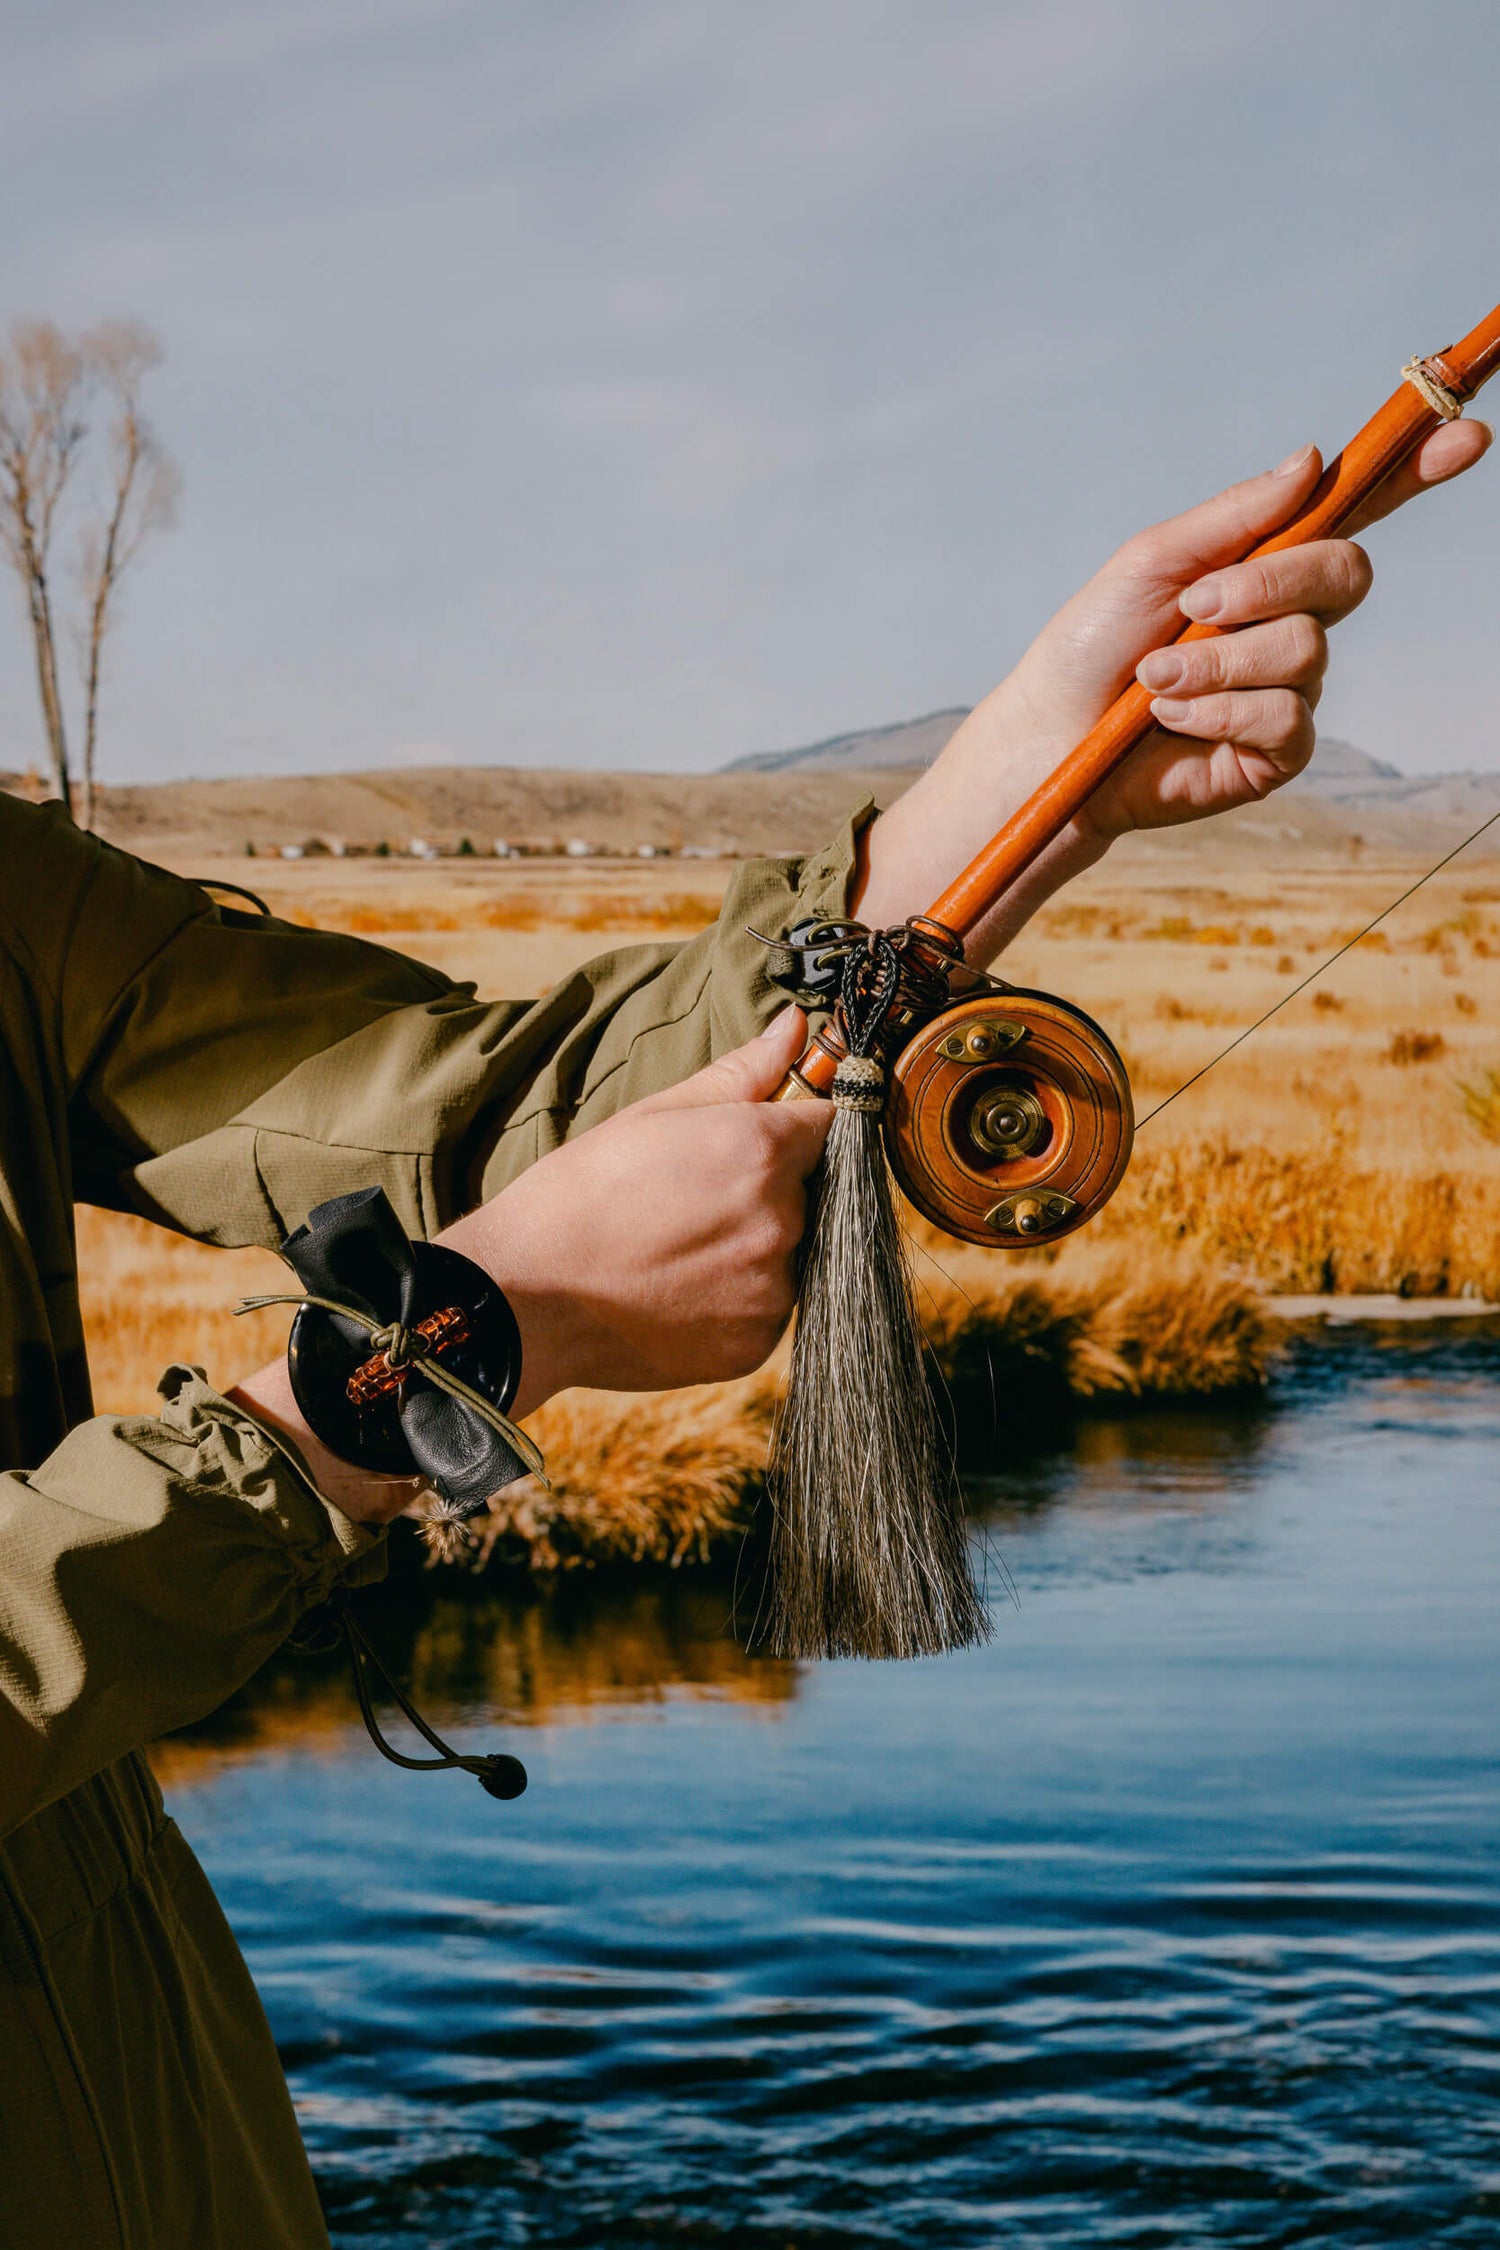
(872, 977)
(867, 991)
(433, 1370)
(400, 1347)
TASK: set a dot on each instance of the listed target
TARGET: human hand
(655, 1250)
(658, 1248)
(1235, 713)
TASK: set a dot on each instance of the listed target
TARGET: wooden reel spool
(1009, 1119)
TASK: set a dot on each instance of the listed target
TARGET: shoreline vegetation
(1351, 1148)
(672, 1477)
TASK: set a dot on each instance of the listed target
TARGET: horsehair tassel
(868, 1555)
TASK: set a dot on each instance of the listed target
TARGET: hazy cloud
(647, 382)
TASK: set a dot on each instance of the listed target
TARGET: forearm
(998, 757)
(357, 1493)
(654, 1251)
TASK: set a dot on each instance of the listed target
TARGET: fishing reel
(1008, 1119)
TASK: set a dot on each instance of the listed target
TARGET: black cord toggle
(497, 1773)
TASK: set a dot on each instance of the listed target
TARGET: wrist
(1002, 753)
(358, 1494)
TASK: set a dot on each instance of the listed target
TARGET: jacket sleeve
(242, 1070)
(149, 1565)
(221, 1073)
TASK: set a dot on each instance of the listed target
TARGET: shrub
(1482, 1105)
(1408, 1047)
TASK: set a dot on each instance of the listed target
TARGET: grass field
(1350, 1146)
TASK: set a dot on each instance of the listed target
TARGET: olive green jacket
(220, 1072)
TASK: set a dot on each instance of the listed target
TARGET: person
(606, 1152)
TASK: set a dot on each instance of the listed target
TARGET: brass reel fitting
(1009, 1119)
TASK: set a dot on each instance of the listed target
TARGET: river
(1170, 1918)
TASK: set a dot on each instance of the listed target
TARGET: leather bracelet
(404, 1355)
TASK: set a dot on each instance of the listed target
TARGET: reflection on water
(584, 1649)
(1171, 1918)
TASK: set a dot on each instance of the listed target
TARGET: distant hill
(534, 809)
(911, 742)
(784, 802)
(1346, 800)
(1338, 770)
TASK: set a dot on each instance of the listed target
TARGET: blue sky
(639, 384)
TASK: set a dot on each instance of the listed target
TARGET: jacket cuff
(236, 1457)
(772, 895)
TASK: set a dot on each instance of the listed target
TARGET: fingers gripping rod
(1432, 391)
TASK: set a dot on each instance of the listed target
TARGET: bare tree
(42, 386)
(140, 496)
(49, 383)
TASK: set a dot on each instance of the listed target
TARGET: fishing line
(1313, 974)
(1238, 1041)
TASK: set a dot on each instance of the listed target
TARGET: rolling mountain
(908, 744)
(1340, 773)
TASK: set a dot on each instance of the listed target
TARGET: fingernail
(1170, 708)
(1295, 461)
(1202, 601)
(1163, 670)
(775, 1023)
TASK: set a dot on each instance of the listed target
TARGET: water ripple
(1171, 1920)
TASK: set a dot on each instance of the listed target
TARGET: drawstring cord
(497, 1773)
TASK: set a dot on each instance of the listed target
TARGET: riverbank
(1018, 1347)
(1348, 1151)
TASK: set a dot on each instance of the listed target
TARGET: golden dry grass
(1353, 1145)
(150, 1298)
(675, 913)
(660, 1478)
(669, 1478)
(1315, 1220)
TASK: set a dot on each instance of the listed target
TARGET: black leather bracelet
(404, 1355)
